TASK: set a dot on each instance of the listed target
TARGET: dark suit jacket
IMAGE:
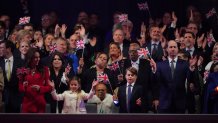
(172, 90)
(159, 54)
(91, 74)
(136, 94)
(11, 95)
(145, 77)
(210, 95)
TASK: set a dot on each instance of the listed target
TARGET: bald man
(103, 99)
(172, 75)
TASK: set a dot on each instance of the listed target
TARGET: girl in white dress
(74, 98)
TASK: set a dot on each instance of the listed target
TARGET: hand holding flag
(52, 48)
(211, 13)
(67, 69)
(210, 39)
(143, 6)
(80, 44)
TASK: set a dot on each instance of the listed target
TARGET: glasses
(101, 90)
(132, 51)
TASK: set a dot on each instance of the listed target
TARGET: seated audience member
(103, 100)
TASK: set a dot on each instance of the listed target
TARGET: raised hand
(200, 61)
(143, 30)
(153, 65)
(115, 98)
(163, 29)
(200, 40)
(177, 35)
(57, 30)
(94, 83)
(191, 18)
(63, 30)
(25, 84)
(39, 43)
(138, 102)
(67, 69)
(155, 103)
(174, 18)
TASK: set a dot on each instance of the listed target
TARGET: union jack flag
(211, 13)
(67, 69)
(24, 20)
(123, 17)
(102, 77)
(21, 72)
(210, 39)
(52, 48)
(80, 44)
(142, 52)
(206, 73)
(143, 6)
(114, 66)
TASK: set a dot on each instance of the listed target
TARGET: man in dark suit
(146, 69)
(118, 36)
(9, 64)
(189, 38)
(172, 75)
(154, 46)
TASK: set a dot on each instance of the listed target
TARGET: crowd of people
(164, 69)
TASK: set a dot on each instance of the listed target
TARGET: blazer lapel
(149, 47)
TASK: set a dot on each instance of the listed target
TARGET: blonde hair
(21, 34)
(215, 47)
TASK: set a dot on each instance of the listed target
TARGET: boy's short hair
(132, 70)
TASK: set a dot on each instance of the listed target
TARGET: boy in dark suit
(130, 95)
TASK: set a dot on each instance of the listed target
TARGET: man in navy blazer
(154, 46)
(11, 96)
(172, 75)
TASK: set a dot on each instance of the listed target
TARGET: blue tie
(129, 96)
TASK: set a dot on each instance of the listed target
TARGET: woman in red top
(34, 84)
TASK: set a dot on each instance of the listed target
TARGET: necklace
(33, 72)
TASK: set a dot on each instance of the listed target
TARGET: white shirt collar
(130, 84)
(155, 42)
(136, 62)
(192, 49)
(11, 59)
(175, 59)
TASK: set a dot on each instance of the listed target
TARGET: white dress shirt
(135, 64)
(9, 61)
